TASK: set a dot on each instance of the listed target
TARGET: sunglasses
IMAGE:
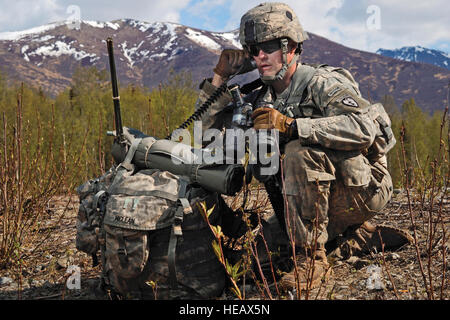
(267, 47)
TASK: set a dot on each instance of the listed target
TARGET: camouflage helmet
(268, 21)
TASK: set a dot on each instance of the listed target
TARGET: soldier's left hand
(269, 118)
(232, 61)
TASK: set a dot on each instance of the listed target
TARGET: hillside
(419, 54)
(146, 52)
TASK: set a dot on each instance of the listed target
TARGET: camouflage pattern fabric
(133, 234)
(269, 21)
(88, 220)
(339, 160)
(143, 201)
(321, 193)
(144, 272)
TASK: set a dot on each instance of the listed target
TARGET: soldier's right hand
(231, 61)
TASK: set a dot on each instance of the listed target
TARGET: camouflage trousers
(328, 191)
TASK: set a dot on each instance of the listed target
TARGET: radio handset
(249, 65)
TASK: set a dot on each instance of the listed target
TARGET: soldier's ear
(296, 46)
(292, 46)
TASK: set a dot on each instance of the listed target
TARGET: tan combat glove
(269, 118)
(231, 61)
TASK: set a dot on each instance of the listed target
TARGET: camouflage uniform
(338, 161)
(332, 163)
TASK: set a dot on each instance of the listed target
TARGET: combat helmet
(269, 21)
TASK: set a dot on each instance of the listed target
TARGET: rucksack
(152, 238)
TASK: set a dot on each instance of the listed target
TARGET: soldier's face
(270, 62)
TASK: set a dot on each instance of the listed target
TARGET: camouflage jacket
(325, 101)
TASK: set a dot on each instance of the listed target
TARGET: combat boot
(310, 273)
(366, 238)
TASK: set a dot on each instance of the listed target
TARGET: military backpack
(153, 240)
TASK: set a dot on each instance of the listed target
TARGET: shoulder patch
(349, 101)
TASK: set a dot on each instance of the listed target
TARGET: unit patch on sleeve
(349, 101)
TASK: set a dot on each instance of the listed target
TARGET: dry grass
(38, 214)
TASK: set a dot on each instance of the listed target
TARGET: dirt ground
(43, 272)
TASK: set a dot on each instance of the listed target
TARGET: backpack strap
(130, 154)
(385, 128)
(125, 165)
(101, 197)
(289, 101)
(122, 251)
(183, 207)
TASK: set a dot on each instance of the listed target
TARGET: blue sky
(214, 17)
(362, 24)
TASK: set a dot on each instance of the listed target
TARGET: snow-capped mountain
(47, 56)
(156, 40)
(145, 52)
(419, 54)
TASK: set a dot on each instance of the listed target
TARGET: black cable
(205, 106)
(202, 109)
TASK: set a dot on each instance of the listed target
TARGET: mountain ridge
(146, 52)
(419, 54)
